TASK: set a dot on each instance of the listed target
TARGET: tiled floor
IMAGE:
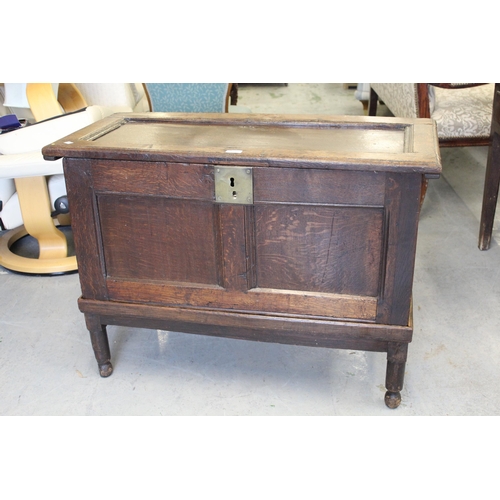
(47, 365)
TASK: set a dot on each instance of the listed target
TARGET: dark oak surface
(323, 255)
(361, 142)
(492, 176)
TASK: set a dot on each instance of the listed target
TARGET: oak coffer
(297, 229)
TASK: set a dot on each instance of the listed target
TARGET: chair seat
(463, 113)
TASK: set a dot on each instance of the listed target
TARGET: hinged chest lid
(300, 141)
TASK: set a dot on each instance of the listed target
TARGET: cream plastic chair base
(14, 262)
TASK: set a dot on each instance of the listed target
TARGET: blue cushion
(188, 97)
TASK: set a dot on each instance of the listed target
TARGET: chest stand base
(396, 352)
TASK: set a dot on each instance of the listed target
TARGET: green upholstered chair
(189, 97)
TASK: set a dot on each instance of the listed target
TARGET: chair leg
(490, 194)
(372, 103)
(234, 94)
(492, 177)
(423, 189)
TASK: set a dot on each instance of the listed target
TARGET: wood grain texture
(299, 141)
(323, 256)
(327, 305)
(321, 249)
(180, 180)
(86, 228)
(492, 177)
(157, 238)
(293, 328)
(402, 212)
(319, 187)
(234, 251)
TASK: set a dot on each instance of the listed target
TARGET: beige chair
(463, 115)
(21, 160)
(119, 96)
(38, 101)
(31, 191)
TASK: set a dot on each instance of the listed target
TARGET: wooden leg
(423, 190)
(396, 361)
(100, 344)
(234, 94)
(372, 103)
(490, 194)
(492, 177)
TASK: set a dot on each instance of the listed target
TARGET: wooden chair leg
(492, 177)
(423, 189)
(372, 103)
(233, 93)
(490, 194)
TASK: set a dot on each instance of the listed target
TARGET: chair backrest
(115, 95)
(400, 98)
(44, 103)
(188, 97)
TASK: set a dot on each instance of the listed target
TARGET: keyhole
(231, 182)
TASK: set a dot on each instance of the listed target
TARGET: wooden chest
(290, 229)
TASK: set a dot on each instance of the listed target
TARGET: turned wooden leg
(396, 361)
(100, 344)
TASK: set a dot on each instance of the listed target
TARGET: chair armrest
(456, 85)
(400, 98)
(30, 164)
(40, 134)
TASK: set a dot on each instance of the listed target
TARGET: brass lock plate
(233, 185)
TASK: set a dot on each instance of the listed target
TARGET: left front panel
(143, 222)
(155, 238)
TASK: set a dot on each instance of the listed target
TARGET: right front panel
(318, 248)
(337, 237)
